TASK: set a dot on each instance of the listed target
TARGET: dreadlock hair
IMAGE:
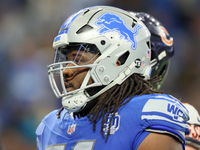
(113, 99)
(110, 101)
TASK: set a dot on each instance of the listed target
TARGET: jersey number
(83, 145)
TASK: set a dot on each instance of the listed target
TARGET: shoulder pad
(166, 114)
(165, 106)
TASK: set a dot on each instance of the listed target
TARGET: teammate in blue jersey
(162, 51)
(100, 71)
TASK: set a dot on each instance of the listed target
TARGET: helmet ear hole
(124, 57)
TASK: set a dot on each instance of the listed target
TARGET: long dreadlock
(109, 102)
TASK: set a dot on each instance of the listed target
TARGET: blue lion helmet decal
(110, 22)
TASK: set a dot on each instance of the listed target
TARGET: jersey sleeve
(44, 128)
(39, 132)
(165, 114)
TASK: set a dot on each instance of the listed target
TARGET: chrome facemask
(97, 26)
(76, 99)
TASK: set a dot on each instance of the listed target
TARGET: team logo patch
(138, 63)
(110, 22)
(114, 124)
(165, 36)
(71, 128)
(176, 111)
(165, 109)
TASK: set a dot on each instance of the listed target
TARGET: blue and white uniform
(131, 125)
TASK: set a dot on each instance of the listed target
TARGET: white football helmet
(110, 33)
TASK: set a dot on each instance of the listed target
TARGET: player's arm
(156, 141)
(165, 120)
(44, 129)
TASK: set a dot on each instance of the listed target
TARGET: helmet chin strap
(74, 103)
(121, 78)
(77, 101)
(118, 80)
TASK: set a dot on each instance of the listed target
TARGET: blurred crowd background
(27, 30)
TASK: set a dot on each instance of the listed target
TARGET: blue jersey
(131, 125)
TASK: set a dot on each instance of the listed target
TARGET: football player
(100, 71)
(162, 51)
(193, 139)
(161, 47)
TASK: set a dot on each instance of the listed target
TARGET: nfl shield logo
(71, 128)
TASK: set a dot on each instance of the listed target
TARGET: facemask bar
(58, 68)
(62, 55)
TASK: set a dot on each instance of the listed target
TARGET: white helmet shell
(114, 32)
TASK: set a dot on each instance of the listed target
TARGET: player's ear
(119, 63)
(123, 58)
